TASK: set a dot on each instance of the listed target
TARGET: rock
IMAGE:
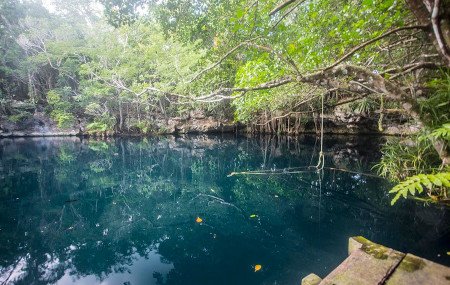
(197, 114)
(204, 125)
(392, 130)
(37, 125)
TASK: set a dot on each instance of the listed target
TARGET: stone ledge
(311, 279)
(38, 134)
(370, 263)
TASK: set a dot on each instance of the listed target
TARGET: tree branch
(326, 107)
(287, 13)
(412, 67)
(221, 59)
(281, 6)
(288, 60)
(224, 93)
(366, 43)
(437, 31)
(376, 83)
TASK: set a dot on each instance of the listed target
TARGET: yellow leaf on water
(253, 216)
(258, 267)
(448, 252)
(199, 220)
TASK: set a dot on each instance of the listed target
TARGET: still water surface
(126, 211)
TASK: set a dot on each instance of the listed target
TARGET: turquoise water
(125, 211)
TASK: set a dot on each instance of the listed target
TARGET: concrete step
(369, 263)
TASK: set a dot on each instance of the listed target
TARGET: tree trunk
(435, 14)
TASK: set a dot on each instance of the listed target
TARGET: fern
(418, 183)
(442, 133)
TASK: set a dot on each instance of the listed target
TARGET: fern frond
(418, 183)
(442, 133)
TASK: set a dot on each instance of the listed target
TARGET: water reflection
(124, 211)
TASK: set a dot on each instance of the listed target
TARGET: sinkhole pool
(165, 210)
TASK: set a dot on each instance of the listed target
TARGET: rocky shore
(39, 125)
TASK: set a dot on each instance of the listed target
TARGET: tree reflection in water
(124, 211)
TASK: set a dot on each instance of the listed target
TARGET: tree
(126, 70)
(341, 51)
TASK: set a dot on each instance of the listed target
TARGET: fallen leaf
(448, 252)
(258, 267)
(253, 216)
(199, 220)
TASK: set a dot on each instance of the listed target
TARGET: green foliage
(63, 119)
(163, 44)
(124, 78)
(442, 133)
(11, 55)
(98, 126)
(142, 57)
(99, 146)
(406, 157)
(142, 127)
(409, 159)
(436, 185)
(54, 99)
(65, 155)
(364, 106)
(405, 161)
(434, 109)
(19, 117)
(94, 109)
(121, 12)
(59, 101)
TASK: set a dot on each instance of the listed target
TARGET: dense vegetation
(268, 64)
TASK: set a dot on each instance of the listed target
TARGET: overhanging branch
(225, 93)
(231, 51)
(371, 41)
(281, 6)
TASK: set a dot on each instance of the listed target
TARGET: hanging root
(321, 162)
(380, 120)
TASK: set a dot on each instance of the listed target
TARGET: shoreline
(124, 135)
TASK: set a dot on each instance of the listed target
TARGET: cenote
(128, 211)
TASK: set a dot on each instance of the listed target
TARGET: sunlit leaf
(258, 267)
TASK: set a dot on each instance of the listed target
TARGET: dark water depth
(163, 211)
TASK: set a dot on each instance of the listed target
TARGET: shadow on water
(124, 211)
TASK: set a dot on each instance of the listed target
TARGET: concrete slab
(414, 270)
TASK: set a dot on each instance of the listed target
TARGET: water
(124, 211)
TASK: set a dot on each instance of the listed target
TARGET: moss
(411, 263)
(376, 250)
(362, 240)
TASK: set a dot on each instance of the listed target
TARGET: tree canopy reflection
(89, 208)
